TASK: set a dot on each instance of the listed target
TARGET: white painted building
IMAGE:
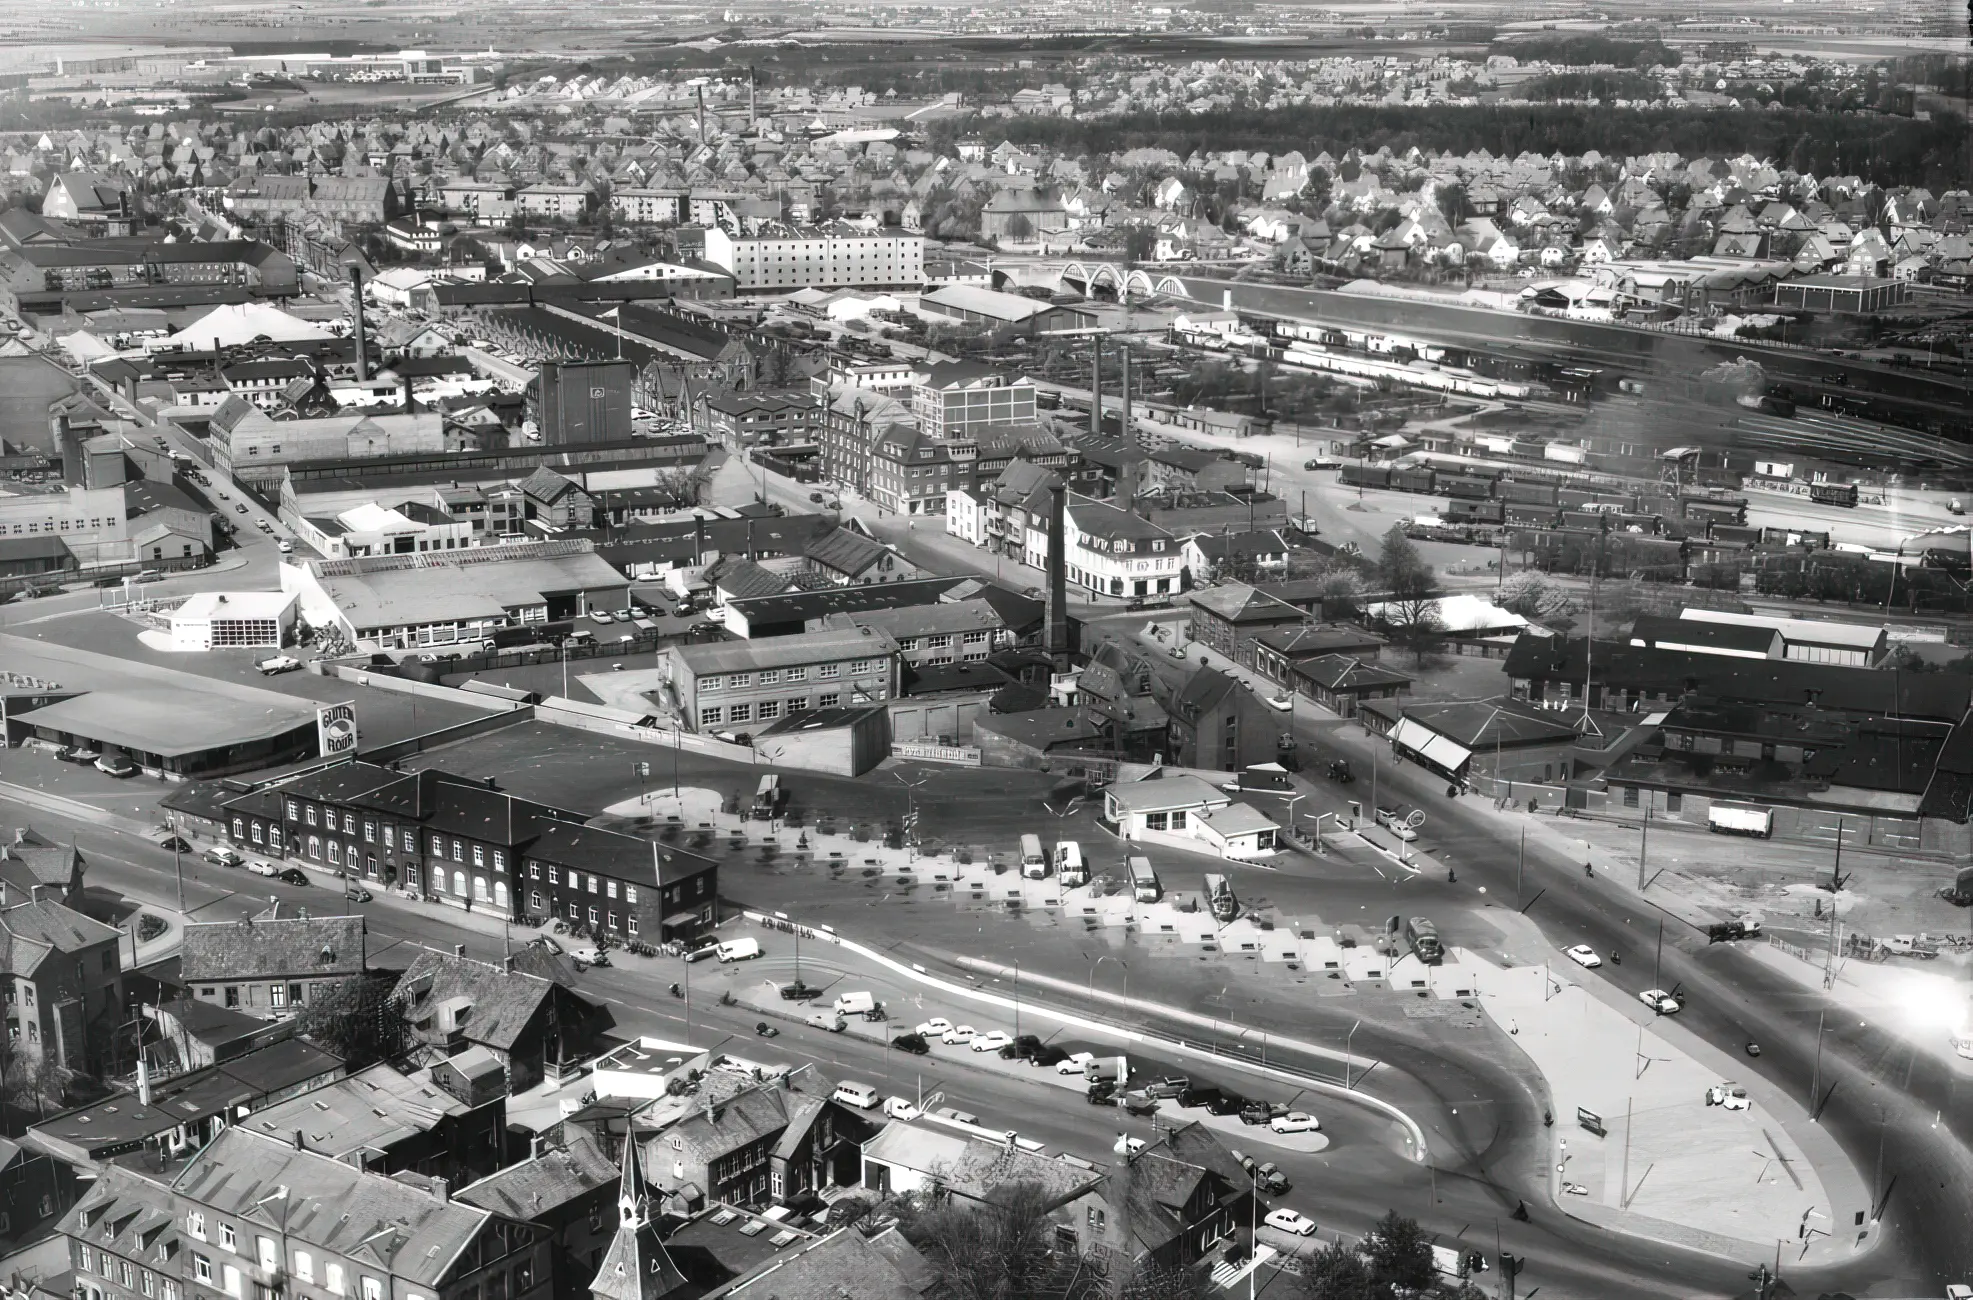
(799, 257)
(1110, 552)
(233, 620)
(1185, 812)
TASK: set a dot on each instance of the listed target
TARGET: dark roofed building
(270, 966)
(1341, 684)
(1462, 739)
(1277, 652)
(1230, 618)
(568, 1187)
(530, 1022)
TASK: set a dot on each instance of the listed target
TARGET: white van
(855, 1004)
(860, 1095)
(738, 950)
(1034, 863)
(828, 1020)
(1068, 863)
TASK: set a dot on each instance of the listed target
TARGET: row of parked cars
(112, 764)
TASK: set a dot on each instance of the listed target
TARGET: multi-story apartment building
(742, 420)
(254, 1217)
(130, 264)
(648, 207)
(63, 983)
(962, 399)
(462, 842)
(789, 257)
(740, 684)
(568, 202)
(1110, 552)
(910, 471)
(853, 420)
(998, 514)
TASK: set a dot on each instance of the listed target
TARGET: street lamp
(1349, 1053)
(1098, 962)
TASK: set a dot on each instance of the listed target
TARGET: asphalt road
(1344, 1189)
(1731, 1001)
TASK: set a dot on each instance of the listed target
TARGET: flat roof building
(791, 257)
(223, 620)
(740, 683)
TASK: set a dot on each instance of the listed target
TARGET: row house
(853, 420)
(467, 844)
(253, 1217)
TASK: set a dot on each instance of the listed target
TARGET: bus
(767, 798)
(1034, 863)
(1144, 884)
(1069, 868)
(1833, 494)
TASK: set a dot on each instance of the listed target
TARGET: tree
(1152, 1281)
(1535, 596)
(1337, 1272)
(1400, 1253)
(1411, 601)
(996, 1251)
(357, 1019)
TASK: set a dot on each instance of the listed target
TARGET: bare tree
(999, 1250)
(1411, 602)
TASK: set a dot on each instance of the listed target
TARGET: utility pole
(1520, 866)
(1815, 1079)
(1835, 888)
(1643, 842)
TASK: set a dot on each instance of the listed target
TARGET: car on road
(80, 754)
(1074, 1062)
(357, 894)
(293, 876)
(264, 527)
(591, 956)
(993, 1042)
(1290, 1222)
(1295, 1121)
(286, 547)
(1387, 814)
(1285, 703)
(223, 858)
(934, 1027)
(274, 665)
(899, 1108)
(1322, 462)
(816, 497)
(1103, 1093)
(240, 508)
(117, 765)
(174, 844)
(911, 1044)
(1402, 833)
(860, 1095)
(1728, 1096)
(953, 1112)
(799, 992)
(1659, 1001)
(262, 868)
(147, 575)
(959, 1034)
(703, 952)
(1170, 1085)
(1583, 955)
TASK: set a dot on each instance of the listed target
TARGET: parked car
(1728, 1096)
(934, 1028)
(174, 844)
(899, 1108)
(294, 876)
(993, 1042)
(223, 858)
(591, 956)
(78, 754)
(1583, 955)
(276, 664)
(959, 1034)
(799, 992)
(1170, 1085)
(911, 1044)
(357, 894)
(260, 868)
(1295, 1121)
(1073, 1063)
(1260, 1112)
(1140, 1103)
(118, 765)
(1290, 1222)
(1103, 1093)
(1659, 1001)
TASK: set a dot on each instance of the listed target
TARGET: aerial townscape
(561, 565)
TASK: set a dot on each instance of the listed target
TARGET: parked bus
(1034, 863)
(767, 798)
(1069, 868)
(1144, 881)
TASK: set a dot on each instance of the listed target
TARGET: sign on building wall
(335, 729)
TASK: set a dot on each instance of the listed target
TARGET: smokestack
(702, 112)
(752, 79)
(1056, 621)
(362, 341)
(1130, 434)
(1096, 389)
(409, 405)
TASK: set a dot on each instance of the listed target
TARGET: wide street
(1344, 1188)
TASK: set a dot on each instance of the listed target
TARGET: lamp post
(177, 864)
(1349, 1053)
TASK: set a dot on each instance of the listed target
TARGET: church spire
(633, 1202)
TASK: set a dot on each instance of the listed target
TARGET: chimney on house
(37, 891)
(143, 1081)
(442, 1188)
(300, 1143)
(508, 962)
(356, 308)
(458, 950)
(1056, 619)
